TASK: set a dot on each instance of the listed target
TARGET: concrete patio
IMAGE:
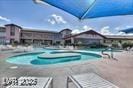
(118, 72)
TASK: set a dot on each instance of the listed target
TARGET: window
(12, 32)
(112, 40)
(12, 41)
(104, 41)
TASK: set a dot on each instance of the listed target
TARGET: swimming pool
(67, 56)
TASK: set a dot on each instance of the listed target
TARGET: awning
(84, 9)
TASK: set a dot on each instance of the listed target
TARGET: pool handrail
(105, 53)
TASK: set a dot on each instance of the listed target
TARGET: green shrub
(127, 44)
(115, 45)
(97, 46)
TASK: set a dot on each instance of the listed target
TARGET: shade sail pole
(87, 11)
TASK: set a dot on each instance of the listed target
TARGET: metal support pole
(112, 56)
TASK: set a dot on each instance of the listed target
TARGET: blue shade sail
(84, 9)
(129, 30)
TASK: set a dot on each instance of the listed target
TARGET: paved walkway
(118, 72)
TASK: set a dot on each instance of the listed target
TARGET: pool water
(32, 58)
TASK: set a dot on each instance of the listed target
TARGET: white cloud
(120, 33)
(85, 28)
(121, 28)
(56, 19)
(51, 21)
(4, 19)
(39, 1)
(128, 26)
(105, 30)
(130, 34)
(76, 31)
(118, 28)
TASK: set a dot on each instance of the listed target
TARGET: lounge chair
(22, 49)
(6, 47)
(38, 82)
(89, 80)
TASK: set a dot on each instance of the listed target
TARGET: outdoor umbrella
(128, 30)
(84, 9)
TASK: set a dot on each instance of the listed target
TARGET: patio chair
(40, 82)
(89, 80)
(21, 49)
(6, 47)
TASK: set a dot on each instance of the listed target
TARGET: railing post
(111, 53)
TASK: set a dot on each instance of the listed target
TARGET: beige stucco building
(39, 37)
(11, 33)
(85, 38)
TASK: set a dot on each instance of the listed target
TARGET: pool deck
(118, 72)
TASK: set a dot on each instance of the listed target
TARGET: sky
(27, 14)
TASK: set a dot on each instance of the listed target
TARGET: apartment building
(14, 33)
(2, 35)
(85, 38)
(11, 33)
(118, 39)
(35, 36)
